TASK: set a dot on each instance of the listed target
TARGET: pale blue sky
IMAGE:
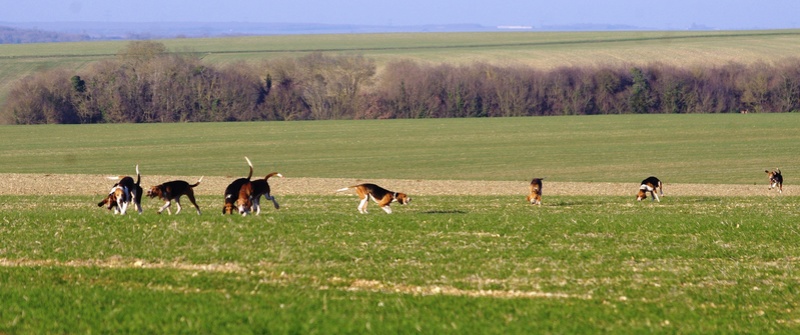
(665, 14)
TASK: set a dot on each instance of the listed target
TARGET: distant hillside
(10, 35)
(31, 32)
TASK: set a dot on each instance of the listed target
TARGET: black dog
(775, 179)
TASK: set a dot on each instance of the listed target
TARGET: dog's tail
(197, 183)
(138, 176)
(273, 174)
(250, 175)
(344, 189)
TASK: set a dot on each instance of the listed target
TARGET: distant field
(539, 49)
(694, 149)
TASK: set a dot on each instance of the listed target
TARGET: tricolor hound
(237, 194)
(651, 184)
(261, 187)
(535, 195)
(775, 179)
(380, 195)
(173, 190)
(123, 193)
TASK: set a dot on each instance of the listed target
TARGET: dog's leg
(136, 201)
(274, 202)
(362, 206)
(166, 206)
(655, 196)
(191, 198)
(178, 204)
(122, 206)
(257, 205)
(385, 203)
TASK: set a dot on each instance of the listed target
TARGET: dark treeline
(148, 84)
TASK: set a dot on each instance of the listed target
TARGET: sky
(663, 14)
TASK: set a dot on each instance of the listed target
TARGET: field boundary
(86, 184)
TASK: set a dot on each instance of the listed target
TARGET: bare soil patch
(84, 184)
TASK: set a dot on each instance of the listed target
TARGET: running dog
(261, 187)
(651, 184)
(775, 179)
(237, 194)
(535, 196)
(380, 195)
(123, 193)
(173, 190)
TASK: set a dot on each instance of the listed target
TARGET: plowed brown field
(81, 184)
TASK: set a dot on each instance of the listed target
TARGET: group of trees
(146, 83)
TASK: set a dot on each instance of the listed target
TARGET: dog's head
(110, 201)
(245, 200)
(774, 176)
(155, 191)
(642, 194)
(230, 204)
(244, 205)
(402, 198)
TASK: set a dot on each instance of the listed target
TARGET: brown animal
(380, 195)
(173, 190)
(261, 187)
(237, 194)
(535, 195)
(650, 184)
(775, 179)
(123, 193)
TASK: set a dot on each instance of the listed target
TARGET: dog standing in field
(535, 195)
(238, 193)
(173, 190)
(651, 184)
(775, 179)
(261, 187)
(123, 193)
(380, 195)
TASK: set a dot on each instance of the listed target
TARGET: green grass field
(465, 264)
(700, 149)
(540, 49)
(487, 265)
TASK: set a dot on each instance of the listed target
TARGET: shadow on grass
(577, 202)
(445, 211)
